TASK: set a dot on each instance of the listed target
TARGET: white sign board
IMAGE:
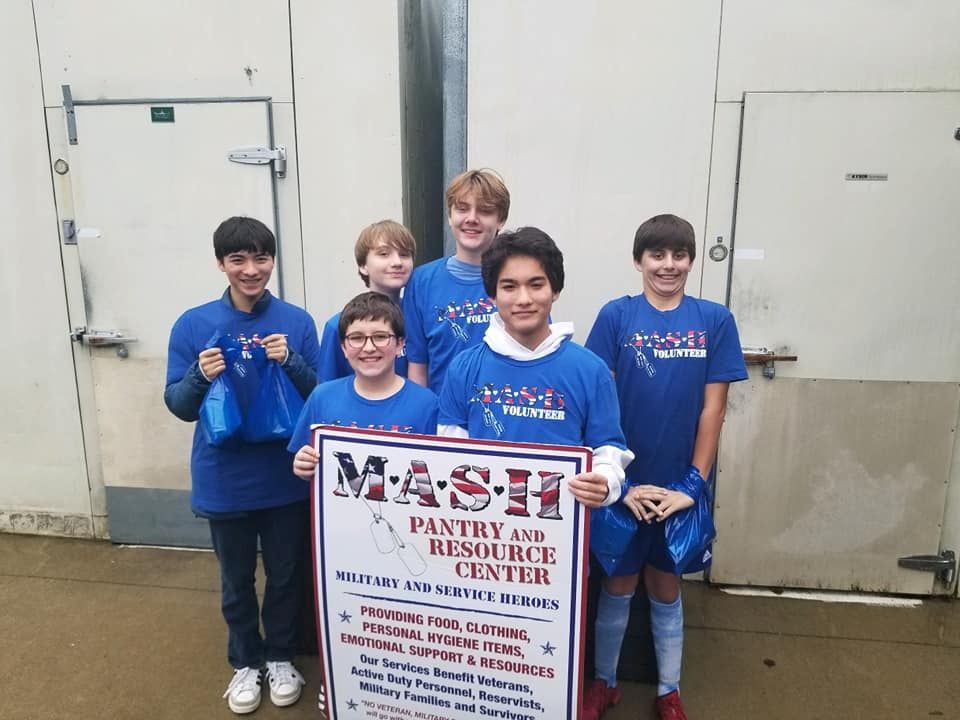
(450, 577)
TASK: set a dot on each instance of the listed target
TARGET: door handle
(103, 338)
(943, 564)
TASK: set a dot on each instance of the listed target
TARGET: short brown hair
(389, 232)
(371, 306)
(485, 185)
(665, 232)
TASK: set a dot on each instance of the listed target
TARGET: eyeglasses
(357, 341)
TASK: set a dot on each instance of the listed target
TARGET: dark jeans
(281, 531)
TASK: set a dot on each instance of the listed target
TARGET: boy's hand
(652, 502)
(589, 488)
(276, 347)
(211, 362)
(305, 463)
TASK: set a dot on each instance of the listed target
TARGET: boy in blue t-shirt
(445, 306)
(527, 381)
(371, 336)
(673, 357)
(384, 252)
(246, 491)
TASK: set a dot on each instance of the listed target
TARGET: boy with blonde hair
(384, 252)
(445, 305)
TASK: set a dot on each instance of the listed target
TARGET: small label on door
(866, 176)
(161, 114)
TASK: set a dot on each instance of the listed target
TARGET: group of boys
(647, 394)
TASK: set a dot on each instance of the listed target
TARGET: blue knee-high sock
(613, 613)
(666, 622)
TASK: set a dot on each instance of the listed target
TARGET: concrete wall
(600, 115)
(348, 118)
(854, 45)
(43, 475)
(331, 70)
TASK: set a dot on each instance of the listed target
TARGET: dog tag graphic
(382, 535)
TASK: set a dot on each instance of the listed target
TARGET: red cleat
(598, 699)
(669, 707)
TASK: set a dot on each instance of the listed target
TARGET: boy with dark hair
(246, 491)
(445, 306)
(371, 335)
(527, 381)
(673, 357)
(384, 252)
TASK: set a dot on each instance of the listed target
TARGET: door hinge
(943, 565)
(69, 232)
(260, 155)
(70, 114)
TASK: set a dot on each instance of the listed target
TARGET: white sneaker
(243, 692)
(285, 682)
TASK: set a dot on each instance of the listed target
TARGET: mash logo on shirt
(469, 312)
(666, 346)
(545, 403)
(372, 426)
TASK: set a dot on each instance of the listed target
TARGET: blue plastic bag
(246, 360)
(690, 531)
(612, 527)
(273, 413)
(252, 398)
(220, 417)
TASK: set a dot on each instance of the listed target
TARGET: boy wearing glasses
(384, 252)
(371, 336)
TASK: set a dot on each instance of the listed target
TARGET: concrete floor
(92, 630)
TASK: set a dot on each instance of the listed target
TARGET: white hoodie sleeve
(453, 431)
(610, 461)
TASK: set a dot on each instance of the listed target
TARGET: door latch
(260, 155)
(761, 355)
(943, 565)
(103, 338)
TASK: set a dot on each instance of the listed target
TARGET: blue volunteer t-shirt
(412, 409)
(444, 316)
(662, 361)
(241, 476)
(565, 398)
(333, 363)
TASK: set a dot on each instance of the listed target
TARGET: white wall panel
(40, 439)
(348, 114)
(117, 49)
(598, 115)
(723, 188)
(288, 205)
(838, 45)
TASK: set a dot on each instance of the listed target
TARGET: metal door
(149, 180)
(845, 254)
